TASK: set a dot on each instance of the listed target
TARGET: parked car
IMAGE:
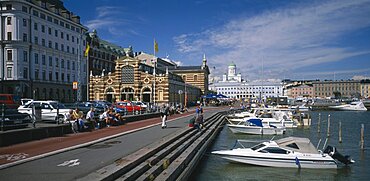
(128, 105)
(85, 107)
(10, 101)
(13, 119)
(141, 104)
(48, 109)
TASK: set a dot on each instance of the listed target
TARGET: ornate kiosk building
(135, 78)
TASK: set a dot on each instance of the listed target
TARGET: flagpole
(155, 64)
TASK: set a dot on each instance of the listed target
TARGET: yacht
(353, 106)
(289, 152)
(256, 127)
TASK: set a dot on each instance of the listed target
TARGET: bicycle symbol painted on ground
(14, 157)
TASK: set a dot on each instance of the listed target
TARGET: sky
(266, 39)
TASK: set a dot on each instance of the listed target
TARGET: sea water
(212, 167)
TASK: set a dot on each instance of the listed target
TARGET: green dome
(232, 64)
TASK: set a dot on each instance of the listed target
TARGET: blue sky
(266, 39)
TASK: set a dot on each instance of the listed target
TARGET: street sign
(75, 85)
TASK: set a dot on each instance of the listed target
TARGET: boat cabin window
(293, 145)
(274, 150)
(266, 116)
(257, 147)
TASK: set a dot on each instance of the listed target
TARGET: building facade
(365, 88)
(302, 91)
(337, 89)
(134, 79)
(42, 45)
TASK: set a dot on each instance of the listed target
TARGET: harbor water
(212, 167)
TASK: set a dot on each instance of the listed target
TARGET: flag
(155, 46)
(87, 50)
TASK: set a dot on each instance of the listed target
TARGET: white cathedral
(233, 86)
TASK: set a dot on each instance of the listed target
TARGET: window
(73, 65)
(50, 19)
(61, 23)
(49, 30)
(50, 61)
(68, 64)
(56, 46)
(73, 28)
(61, 35)
(56, 76)
(127, 74)
(56, 33)
(43, 60)
(62, 77)
(25, 72)
(43, 28)
(62, 63)
(24, 37)
(56, 62)
(67, 26)
(50, 75)
(73, 50)
(43, 75)
(10, 55)
(67, 37)
(36, 40)
(24, 9)
(36, 58)
(25, 56)
(35, 13)
(62, 47)
(9, 20)
(73, 39)
(68, 49)
(37, 74)
(56, 21)
(9, 35)
(68, 78)
(24, 22)
(9, 72)
(8, 7)
(35, 26)
(43, 42)
(274, 150)
(42, 16)
(195, 77)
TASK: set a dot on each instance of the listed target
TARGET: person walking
(164, 113)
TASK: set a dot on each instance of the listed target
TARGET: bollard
(362, 137)
(328, 132)
(340, 131)
(33, 116)
(318, 123)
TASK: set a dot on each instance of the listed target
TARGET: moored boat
(289, 152)
(256, 127)
(353, 106)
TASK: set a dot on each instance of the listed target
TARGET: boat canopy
(302, 145)
(256, 122)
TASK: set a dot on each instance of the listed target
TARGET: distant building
(302, 91)
(233, 86)
(337, 89)
(42, 45)
(365, 88)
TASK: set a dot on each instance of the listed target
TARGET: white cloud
(282, 40)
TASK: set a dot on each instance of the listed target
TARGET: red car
(128, 105)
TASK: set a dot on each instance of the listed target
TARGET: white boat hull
(255, 130)
(289, 161)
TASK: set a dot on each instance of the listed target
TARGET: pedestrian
(198, 118)
(78, 116)
(164, 114)
(90, 118)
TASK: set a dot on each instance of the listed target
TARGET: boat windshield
(254, 148)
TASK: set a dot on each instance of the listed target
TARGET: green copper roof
(232, 64)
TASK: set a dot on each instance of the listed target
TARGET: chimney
(76, 19)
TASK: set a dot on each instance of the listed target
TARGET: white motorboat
(353, 106)
(290, 152)
(256, 127)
